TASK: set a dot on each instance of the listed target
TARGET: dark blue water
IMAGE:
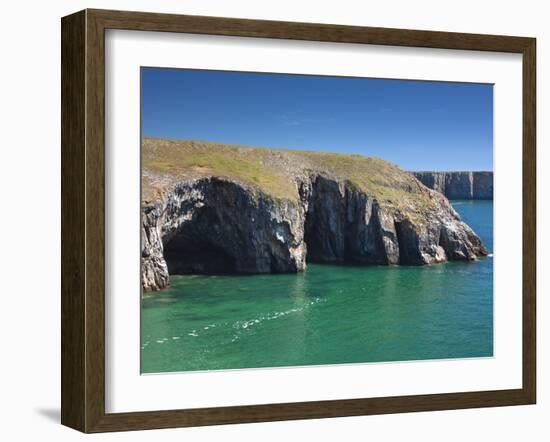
(327, 315)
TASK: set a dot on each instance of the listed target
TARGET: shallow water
(327, 315)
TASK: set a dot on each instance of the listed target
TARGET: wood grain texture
(145, 21)
(95, 221)
(529, 221)
(73, 254)
(83, 220)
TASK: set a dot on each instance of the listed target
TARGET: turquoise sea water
(327, 315)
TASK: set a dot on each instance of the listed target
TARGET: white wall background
(30, 216)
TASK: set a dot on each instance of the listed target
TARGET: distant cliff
(459, 185)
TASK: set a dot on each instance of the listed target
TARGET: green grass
(273, 171)
(195, 159)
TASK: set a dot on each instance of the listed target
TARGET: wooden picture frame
(83, 219)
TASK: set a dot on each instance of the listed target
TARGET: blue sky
(419, 125)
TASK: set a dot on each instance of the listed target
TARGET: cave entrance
(326, 237)
(317, 241)
(185, 254)
(310, 236)
(194, 249)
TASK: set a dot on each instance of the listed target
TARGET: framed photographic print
(270, 220)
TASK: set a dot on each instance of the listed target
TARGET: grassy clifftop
(274, 171)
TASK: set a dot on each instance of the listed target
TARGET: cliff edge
(459, 185)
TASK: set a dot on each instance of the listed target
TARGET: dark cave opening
(328, 238)
(195, 250)
(322, 246)
(186, 254)
(312, 238)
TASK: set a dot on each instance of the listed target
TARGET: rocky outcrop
(459, 185)
(218, 225)
(212, 225)
(343, 224)
(482, 186)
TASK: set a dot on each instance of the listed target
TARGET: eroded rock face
(483, 185)
(214, 225)
(343, 224)
(459, 185)
(154, 272)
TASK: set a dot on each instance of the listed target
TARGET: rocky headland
(459, 185)
(211, 208)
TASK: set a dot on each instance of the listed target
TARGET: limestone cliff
(459, 185)
(210, 208)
